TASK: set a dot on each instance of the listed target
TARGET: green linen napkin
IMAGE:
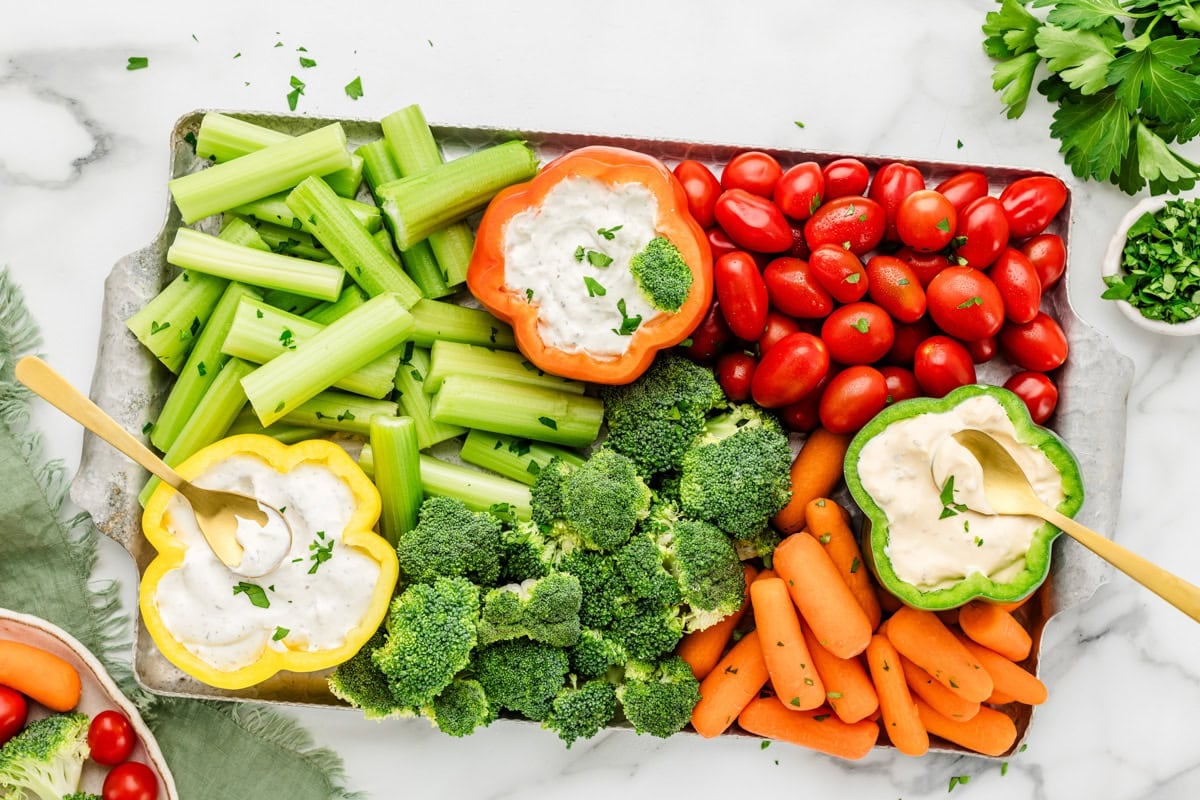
(217, 751)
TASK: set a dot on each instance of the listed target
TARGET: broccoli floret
(521, 675)
(525, 553)
(658, 698)
(655, 418)
(548, 493)
(595, 654)
(75, 796)
(640, 563)
(580, 713)
(705, 564)
(461, 708)
(47, 757)
(647, 629)
(431, 633)
(451, 541)
(604, 499)
(361, 684)
(661, 274)
(602, 586)
(737, 473)
(761, 545)
(543, 609)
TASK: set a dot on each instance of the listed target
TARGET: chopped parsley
(598, 259)
(862, 325)
(958, 780)
(971, 301)
(202, 369)
(594, 287)
(280, 633)
(156, 328)
(853, 278)
(307, 63)
(1160, 264)
(854, 565)
(529, 295)
(943, 225)
(628, 324)
(297, 90)
(149, 426)
(949, 507)
(254, 593)
(137, 62)
(285, 339)
(765, 744)
(820, 717)
(609, 233)
(320, 551)
(549, 423)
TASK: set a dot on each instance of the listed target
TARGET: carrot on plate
(922, 638)
(817, 728)
(793, 675)
(734, 682)
(765, 574)
(995, 629)
(900, 719)
(827, 523)
(703, 649)
(942, 700)
(40, 675)
(989, 732)
(848, 688)
(1008, 679)
(824, 599)
(815, 472)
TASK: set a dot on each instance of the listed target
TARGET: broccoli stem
(169, 323)
(520, 459)
(456, 358)
(247, 422)
(410, 389)
(272, 169)
(397, 473)
(339, 411)
(351, 298)
(201, 252)
(274, 209)
(366, 333)
(534, 412)
(434, 320)
(478, 491)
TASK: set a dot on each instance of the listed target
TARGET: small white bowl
(1112, 266)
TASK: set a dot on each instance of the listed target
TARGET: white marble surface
(83, 158)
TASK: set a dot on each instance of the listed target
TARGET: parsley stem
(202, 252)
(455, 358)
(434, 320)
(414, 402)
(516, 458)
(164, 325)
(534, 412)
(397, 473)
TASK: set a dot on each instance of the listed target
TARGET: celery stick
(259, 333)
(274, 209)
(291, 303)
(288, 241)
(378, 165)
(452, 247)
(421, 204)
(204, 253)
(520, 459)
(264, 172)
(547, 415)
(368, 264)
(410, 377)
(169, 323)
(397, 468)
(455, 358)
(434, 320)
(247, 422)
(339, 411)
(236, 230)
(351, 298)
(478, 491)
(210, 420)
(366, 333)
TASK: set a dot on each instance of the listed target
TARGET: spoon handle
(56, 390)
(1169, 587)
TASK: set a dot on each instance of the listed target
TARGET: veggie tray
(130, 386)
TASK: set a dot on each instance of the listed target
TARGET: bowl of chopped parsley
(1152, 265)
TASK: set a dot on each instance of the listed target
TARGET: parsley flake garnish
(853, 278)
(294, 94)
(149, 426)
(628, 324)
(943, 225)
(549, 423)
(354, 88)
(609, 233)
(580, 252)
(254, 593)
(285, 339)
(156, 328)
(137, 62)
(594, 287)
(320, 551)
(202, 369)
(529, 295)
(949, 507)
(971, 301)
(598, 259)
(958, 780)
(280, 634)
(307, 63)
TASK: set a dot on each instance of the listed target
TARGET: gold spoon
(1008, 492)
(217, 513)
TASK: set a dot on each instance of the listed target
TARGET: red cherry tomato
(711, 336)
(734, 372)
(853, 396)
(1037, 391)
(858, 333)
(982, 232)
(13, 712)
(130, 781)
(844, 177)
(778, 326)
(965, 303)
(1048, 255)
(804, 415)
(799, 248)
(982, 350)
(926, 220)
(719, 242)
(901, 384)
(963, 188)
(111, 738)
(741, 294)
(891, 184)
(702, 189)
(854, 221)
(925, 265)
(893, 285)
(941, 365)
(1018, 284)
(794, 290)
(798, 192)
(753, 222)
(908, 336)
(1039, 345)
(790, 370)
(1030, 203)
(839, 272)
(755, 171)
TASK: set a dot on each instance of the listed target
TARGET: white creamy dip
(541, 249)
(306, 610)
(263, 546)
(926, 549)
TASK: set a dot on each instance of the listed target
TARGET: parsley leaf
(254, 593)
(1082, 58)
(594, 287)
(1085, 14)
(354, 88)
(1010, 30)
(137, 62)
(1013, 79)
(1149, 79)
(946, 497)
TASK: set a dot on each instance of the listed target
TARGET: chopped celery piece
(201, 369)
(169, 323)
(339, 411)
(236, 230)
(455, 358)
(421, 204)
(272, 169)
(247, 422)
(423, 268)
(204, 253)
(274, 209)
(351, 298)
(547, 415)
(366, 333)
(397, 468)
(288, 241)
(520, 459)
(434, 320)
(478, 491)
(366, 262)
(452, 248)
(291, 303)
(378, 165)
(410, 389)
(213, 415)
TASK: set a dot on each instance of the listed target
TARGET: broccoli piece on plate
(641, 565)
(521, 675)
(704, 562)
(461, 708)
(543, 609)
(580, 713)
(47, 757)
(658, 698)
(760, 545)
(661, 274)
(603, 500)
(602, 586)
(595, 654)
(647, 629)
(525, 553)
(363, 685)
(451, 541)
(548, 493)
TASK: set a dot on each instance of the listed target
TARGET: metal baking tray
(130, 385)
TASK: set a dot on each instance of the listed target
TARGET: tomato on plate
(853, 396)
(982, 350)
(892, 183)
(982, 233)
(1048, 254)
(790, 370)
(753, 222)
(908, 336)
(901, 384)
(13, 711)
(926, 221)
(845, 176)
(1031, 203)
(804, 415)
(941, 365)
(839, 272)
(855, 222)
(794, 290)
(111, 738)
(710, 337)
(719, 242)
(778, 326)
(963, 188)
(755, 171)
(130, 781)
(1039, 345)
(925, 265)
(893, 285)
(799, 191)
(741, 294)
(702, 189)
(1038, 392)
(858, 333)
(1018, 284)
(734, 372)
(965, 303)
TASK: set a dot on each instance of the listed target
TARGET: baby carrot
(990, 732)
(827, 524)
(702, 649)
(900, 720)
(848, 688)
(828, 606)
(40, 675)
(734, 682)
(941, 699)
(995, 629)
(816, 729)
(922, 638)
(815, 472)
(789, 664)
(1008, 678)
(765, 574)
(999, 699)
(888, 602)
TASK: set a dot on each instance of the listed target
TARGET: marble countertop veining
(83, 159)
